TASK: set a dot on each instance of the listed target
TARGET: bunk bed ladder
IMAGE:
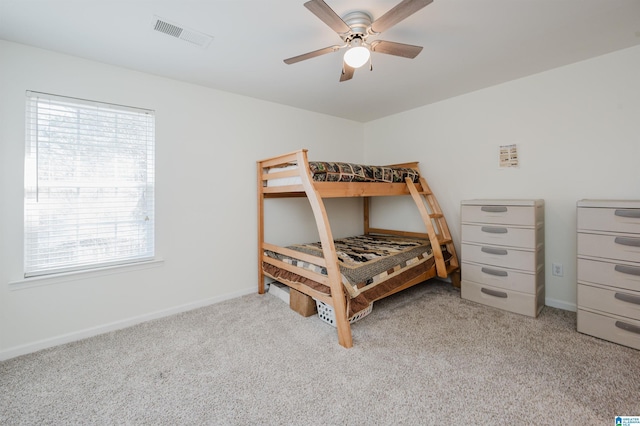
(437, 229)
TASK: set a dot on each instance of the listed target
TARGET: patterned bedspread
(372, 266)
(348, 172)
(366, 260)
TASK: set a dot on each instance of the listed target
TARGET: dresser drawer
(609, 219)
(618, 302)
(500, 256)
(500, 235)
(610, 327)
(504, 215)
(509, 300)
(609, 246)
(500, 277)
(613, 274)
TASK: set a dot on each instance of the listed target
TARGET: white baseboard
(117, 325)
(561, 304)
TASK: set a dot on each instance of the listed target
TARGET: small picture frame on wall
(508, 156)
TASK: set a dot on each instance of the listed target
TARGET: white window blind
(89, 184)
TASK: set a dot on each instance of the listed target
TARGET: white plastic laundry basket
(326, 313)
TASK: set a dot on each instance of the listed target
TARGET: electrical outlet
(557, 269)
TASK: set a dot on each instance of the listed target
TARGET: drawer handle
(629, 298)
(629, 270)
(491, 250)
(494, 209)
(494, 229)
(628, 327)
(627, 241)
(633, 213)
(495, 272)
(500, 294)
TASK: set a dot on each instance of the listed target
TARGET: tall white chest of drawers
(609, 270)
(503, 254)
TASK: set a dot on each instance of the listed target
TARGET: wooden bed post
(365, 208)
(260, 230)
(328, 250)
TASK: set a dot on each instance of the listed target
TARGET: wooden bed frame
(316, 192)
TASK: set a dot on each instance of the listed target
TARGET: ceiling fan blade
(401, 11)
(397, 49)
(327, 15)
(347, 72)
(310, 55)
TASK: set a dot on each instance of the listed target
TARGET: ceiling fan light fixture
(357, 56)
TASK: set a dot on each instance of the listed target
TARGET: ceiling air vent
(180, 32)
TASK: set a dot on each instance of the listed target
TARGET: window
(89, 184)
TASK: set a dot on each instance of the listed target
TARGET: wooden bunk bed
(291, 175)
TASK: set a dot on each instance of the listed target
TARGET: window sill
(44, 280)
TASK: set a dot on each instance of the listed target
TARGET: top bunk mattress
(323, 171)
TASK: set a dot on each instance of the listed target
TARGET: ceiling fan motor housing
(359, 22)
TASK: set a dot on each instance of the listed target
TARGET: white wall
(206, 215)
(578, 133)
(577, 129)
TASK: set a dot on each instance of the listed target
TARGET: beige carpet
(423, 356)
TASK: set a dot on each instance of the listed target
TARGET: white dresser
(609, 270)
(503, 254)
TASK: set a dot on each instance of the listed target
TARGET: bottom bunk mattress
(371, 266)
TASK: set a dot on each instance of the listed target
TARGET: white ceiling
(468, 45)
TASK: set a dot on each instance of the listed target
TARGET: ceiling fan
(354, 30)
